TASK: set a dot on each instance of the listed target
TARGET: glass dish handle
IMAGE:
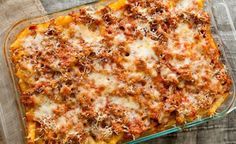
(233, 31)
(222, 21)
(3, 129)
(233, 107)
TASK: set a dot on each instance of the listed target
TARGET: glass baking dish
(12, 113)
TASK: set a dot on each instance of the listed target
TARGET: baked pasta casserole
(116, 73)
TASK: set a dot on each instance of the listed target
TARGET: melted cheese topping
(110, 75)
(45, 110)
(124, 102)
(88, 35)
(185, 33)
(142, 48)
(183, 4)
